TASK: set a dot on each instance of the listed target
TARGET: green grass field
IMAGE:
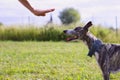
(48, 61)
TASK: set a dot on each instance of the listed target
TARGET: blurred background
(18, 23)
(103, 12)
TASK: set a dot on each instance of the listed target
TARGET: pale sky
(99, 11)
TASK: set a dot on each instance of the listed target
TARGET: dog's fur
(107, 55)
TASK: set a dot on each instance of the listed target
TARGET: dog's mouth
(70, 35)
(71, 38)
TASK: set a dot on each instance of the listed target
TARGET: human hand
(42, 12)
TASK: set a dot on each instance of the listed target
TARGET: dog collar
(95, 47)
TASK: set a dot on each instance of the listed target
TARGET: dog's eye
(77, 28)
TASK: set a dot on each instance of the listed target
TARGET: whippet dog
(107, 55)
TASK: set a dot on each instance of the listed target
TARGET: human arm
(35, 11)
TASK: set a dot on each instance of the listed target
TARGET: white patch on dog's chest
(97, 55)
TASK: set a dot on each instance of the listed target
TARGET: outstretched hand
(42, 12)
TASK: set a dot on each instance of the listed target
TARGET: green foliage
(69, 15)
(31, 33)
(48, 61)
(105, 34)
(52, 33)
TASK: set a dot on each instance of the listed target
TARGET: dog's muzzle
(71, 35)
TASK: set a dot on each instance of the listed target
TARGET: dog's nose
(65, 31)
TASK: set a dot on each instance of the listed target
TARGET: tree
(69, 15)
(1, 23)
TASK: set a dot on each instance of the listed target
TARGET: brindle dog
(107, 55)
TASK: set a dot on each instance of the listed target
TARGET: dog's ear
(89, 24)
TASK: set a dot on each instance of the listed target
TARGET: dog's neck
(89, 39)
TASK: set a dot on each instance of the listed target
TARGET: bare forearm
(35, 11)
(27, 5)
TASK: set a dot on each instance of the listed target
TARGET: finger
(49, 10)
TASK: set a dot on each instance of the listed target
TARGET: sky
(104, 12)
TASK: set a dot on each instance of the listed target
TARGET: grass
(47, 61)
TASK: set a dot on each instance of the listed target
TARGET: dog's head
(78, 32)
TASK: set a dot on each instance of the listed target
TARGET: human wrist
(32, 10)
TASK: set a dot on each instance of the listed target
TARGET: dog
(107, 55)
